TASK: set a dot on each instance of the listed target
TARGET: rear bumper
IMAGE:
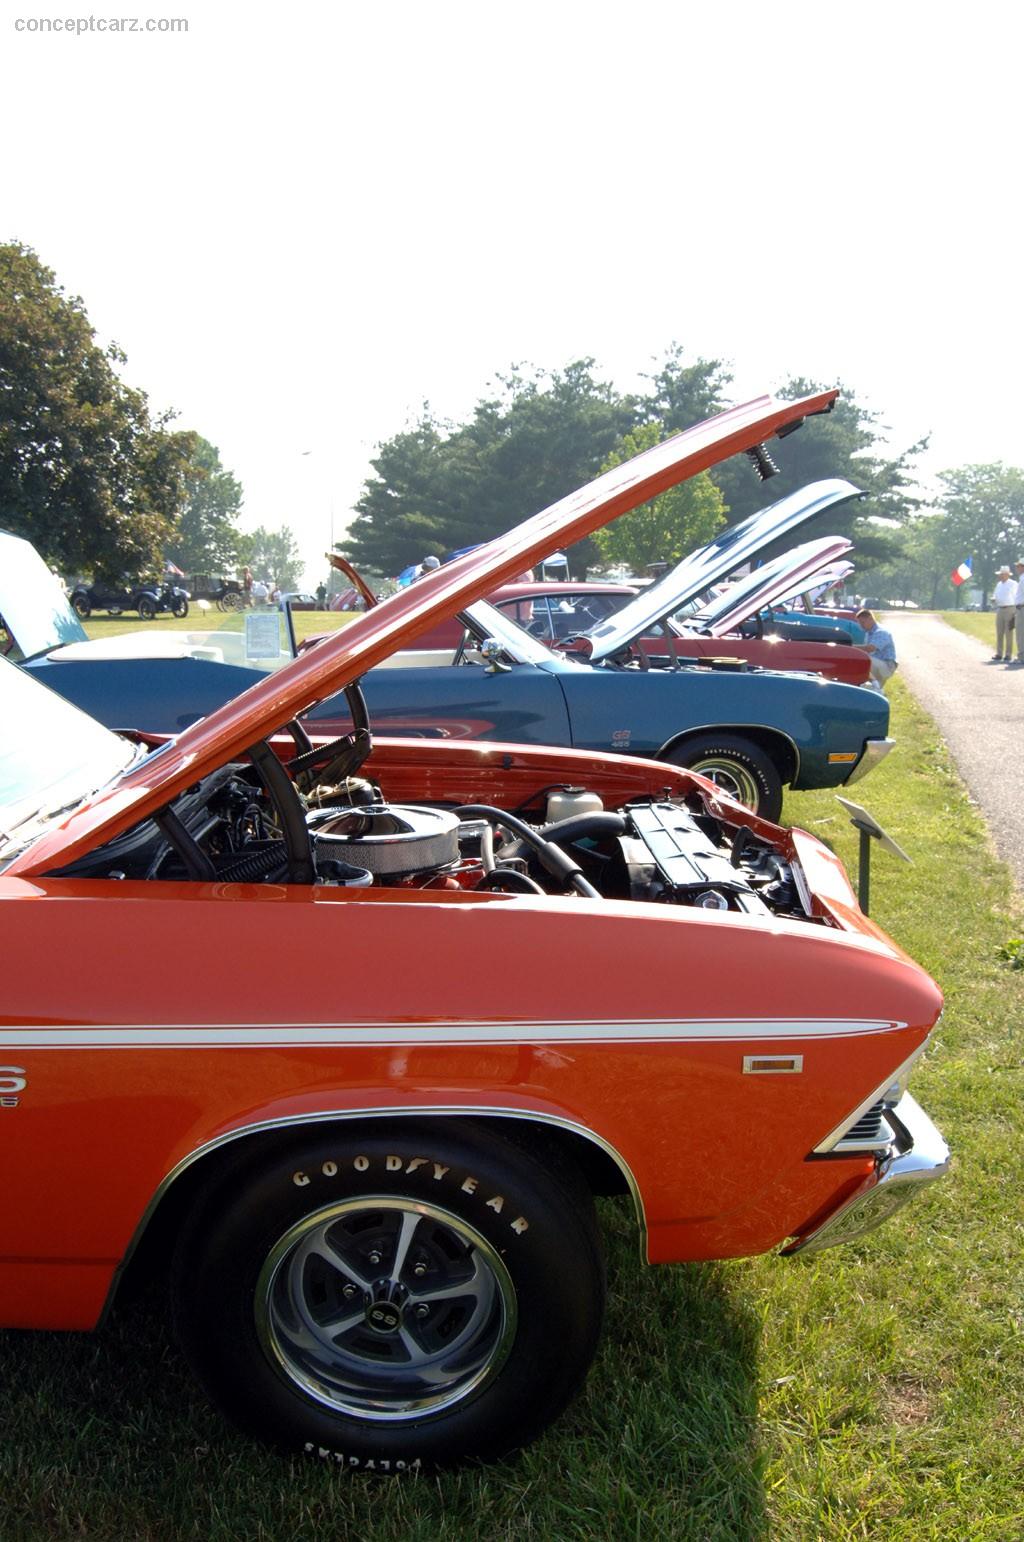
(874, 751)
(916, 1157)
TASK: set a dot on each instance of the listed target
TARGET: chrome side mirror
(489, 654)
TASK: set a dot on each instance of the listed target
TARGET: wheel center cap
(384, 1316)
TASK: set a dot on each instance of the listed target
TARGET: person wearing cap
(880, 647)
(1018, 662)
(426, 566)
(1004, 598)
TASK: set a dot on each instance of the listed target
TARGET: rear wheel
(81, 606)
(146, 607)
(393, 1301)
(180, 607)
(736, 765)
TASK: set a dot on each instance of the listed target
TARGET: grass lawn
(306, 622)
(876, 1391)
(975, 623)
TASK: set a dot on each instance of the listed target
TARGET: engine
(230, 828)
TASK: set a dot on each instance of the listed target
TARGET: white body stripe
(361, 1035)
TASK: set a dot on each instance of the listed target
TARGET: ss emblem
(12, 1081)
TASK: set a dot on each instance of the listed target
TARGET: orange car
(418, 1003)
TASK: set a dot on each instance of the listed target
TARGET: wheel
(146, 607)
(393, 1301)
(232, 601)
(738, 766)
(81, 606)
(180, 608)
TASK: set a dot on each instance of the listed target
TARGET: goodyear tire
(393, 1301)
(738, 766)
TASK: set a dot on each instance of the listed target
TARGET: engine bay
(317, 821)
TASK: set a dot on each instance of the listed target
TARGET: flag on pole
(961, 574)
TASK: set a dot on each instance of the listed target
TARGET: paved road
(979, 707)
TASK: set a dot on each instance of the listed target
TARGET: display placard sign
(263, 635)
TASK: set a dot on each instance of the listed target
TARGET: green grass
(974, 623)
(306, 622)
(877, 1391)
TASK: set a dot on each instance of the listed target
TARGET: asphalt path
(979, 708)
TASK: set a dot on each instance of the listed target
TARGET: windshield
(51, 756)
(34, 610)
(488, 621)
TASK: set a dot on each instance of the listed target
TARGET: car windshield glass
(51, 755)
(253, 639)
(34, 609)
(488, 621)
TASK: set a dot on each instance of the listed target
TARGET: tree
(842, 443)
(206, 537)
(683, 394)
(983, 517)
(272, 554)
(85, 473)
(437, 487)
(667, 527)
(919, 570)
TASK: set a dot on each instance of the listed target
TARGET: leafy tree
(983, 517)
(682, 394)
(842, 443)
(206, 537)
(667, 527)
(271, 554)
(919, 570)
(437, 487)
(85, 473)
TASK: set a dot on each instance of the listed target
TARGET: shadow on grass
(106, 1436)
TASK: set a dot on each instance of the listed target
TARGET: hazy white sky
(302, 221)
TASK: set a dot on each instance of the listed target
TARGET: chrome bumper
(874, 751)
(916, 1157)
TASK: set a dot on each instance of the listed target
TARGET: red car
(662, 620)
(358, 1127)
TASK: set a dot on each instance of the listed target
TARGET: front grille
(869, 1133)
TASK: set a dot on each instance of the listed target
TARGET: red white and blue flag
(961, 574)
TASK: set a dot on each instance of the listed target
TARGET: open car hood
(32, 600)
(730, 550)
(372, 637)
(766, 584)
(817, 585)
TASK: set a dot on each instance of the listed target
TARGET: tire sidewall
(542, 1231)
(750, 756)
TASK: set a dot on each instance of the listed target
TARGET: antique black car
(147, 598)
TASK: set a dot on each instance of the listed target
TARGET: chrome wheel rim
(385, 1309)
(732, 777)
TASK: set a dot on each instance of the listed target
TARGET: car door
(421, 699)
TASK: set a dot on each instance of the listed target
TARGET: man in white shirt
(1004, 598)
(1018, 662)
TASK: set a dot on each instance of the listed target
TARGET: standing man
(880, 648)
(1004, 598)
(1018, 662)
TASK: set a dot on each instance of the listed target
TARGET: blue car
(751, 731)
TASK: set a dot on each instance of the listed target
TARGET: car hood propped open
(766, 584)
(372, 637)
(732, 549)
